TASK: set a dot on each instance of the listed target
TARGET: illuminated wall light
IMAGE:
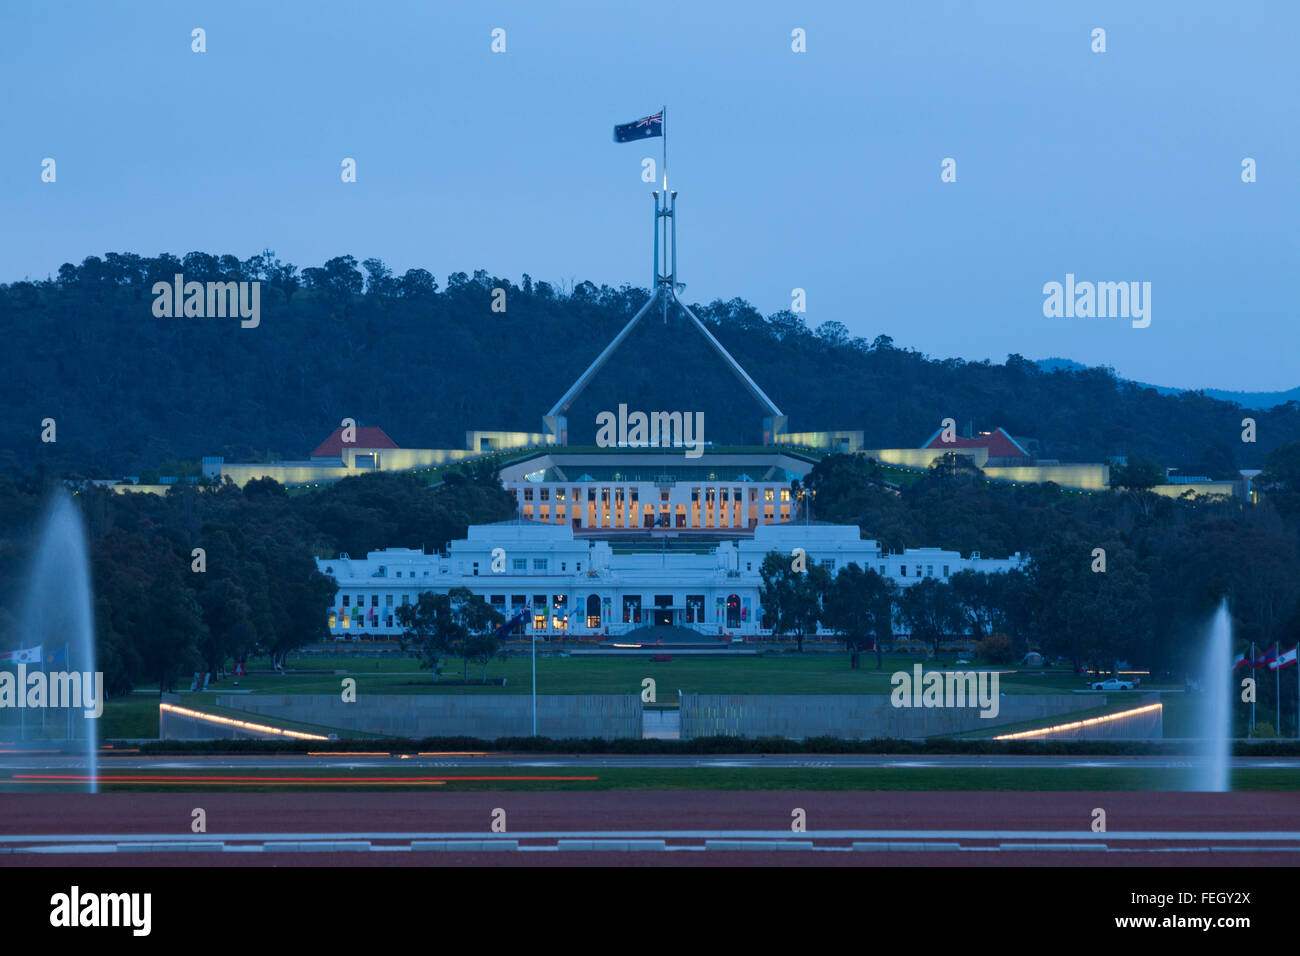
(231, 722)
(1074, 725)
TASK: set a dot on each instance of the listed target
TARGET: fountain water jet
(58, 610)
(1215, 724)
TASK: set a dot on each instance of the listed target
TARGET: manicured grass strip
(696, 778)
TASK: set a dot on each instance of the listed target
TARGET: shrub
(996, 649)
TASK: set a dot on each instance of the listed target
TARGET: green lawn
(812, 673)
(715, 778)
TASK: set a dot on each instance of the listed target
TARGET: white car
(1113, 683)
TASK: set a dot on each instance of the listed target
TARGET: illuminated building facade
(582, 585)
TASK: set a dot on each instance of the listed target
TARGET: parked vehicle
(1113, 683)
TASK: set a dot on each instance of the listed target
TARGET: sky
(817, 170)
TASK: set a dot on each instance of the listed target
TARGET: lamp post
(534, 679)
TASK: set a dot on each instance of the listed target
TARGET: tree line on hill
(1167, 563)
(164, 610)
(1122, 575)
(135, 394)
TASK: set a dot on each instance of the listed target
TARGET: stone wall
(856, 716)
(454, 715)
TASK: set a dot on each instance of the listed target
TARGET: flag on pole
(57, 660)
(1239, 660)
(23, 655)
(643, 128)
(1265, 660)
(1283, 660)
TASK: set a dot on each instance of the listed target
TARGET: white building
(586, 586)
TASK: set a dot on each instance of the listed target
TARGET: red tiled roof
(367, 436)
(998, 442)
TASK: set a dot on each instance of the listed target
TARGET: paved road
(12, 762)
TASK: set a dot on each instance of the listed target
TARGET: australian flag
(640, 129)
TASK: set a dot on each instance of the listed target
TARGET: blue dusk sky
(818, 170)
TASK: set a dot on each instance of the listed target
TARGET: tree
(978, 593)
(481, 648)
(480, 621)
(170, 633)
(859, 607)
(1137, 474)
(1280, 480)
(931, 610)
(792, 599)
(430, 624)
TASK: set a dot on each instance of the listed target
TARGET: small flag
(1265, 660)
(640, 129)
(57, 660)
(1287, 658)
(1239, 660)
(23, 655)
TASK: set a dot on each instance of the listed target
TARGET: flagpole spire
(664, 111)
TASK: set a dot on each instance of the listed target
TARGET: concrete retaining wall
(455, 715)
(174, 726)
(855, 716)
(1148, 725)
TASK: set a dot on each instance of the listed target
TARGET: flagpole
(1251, 732)
(664, 110)
(1277, 688)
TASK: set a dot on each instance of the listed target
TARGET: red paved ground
(353, 812)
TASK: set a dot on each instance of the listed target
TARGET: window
(539, 564)
(528, 494)
(399, 574)
(475, 569)
(945, 570)
(768, 494)
(902, 570)
(883, 570)
(388, 600)
(929, 570)
(829, 564)
(785, 494)
(406, 599)
(519, 564)
(918, 570)
(545, 494)
(374, 600)
(578, 566)
(559, 494)
(564, 565)
(347, 600)
(591, 494)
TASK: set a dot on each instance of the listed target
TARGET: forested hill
(131, 393)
